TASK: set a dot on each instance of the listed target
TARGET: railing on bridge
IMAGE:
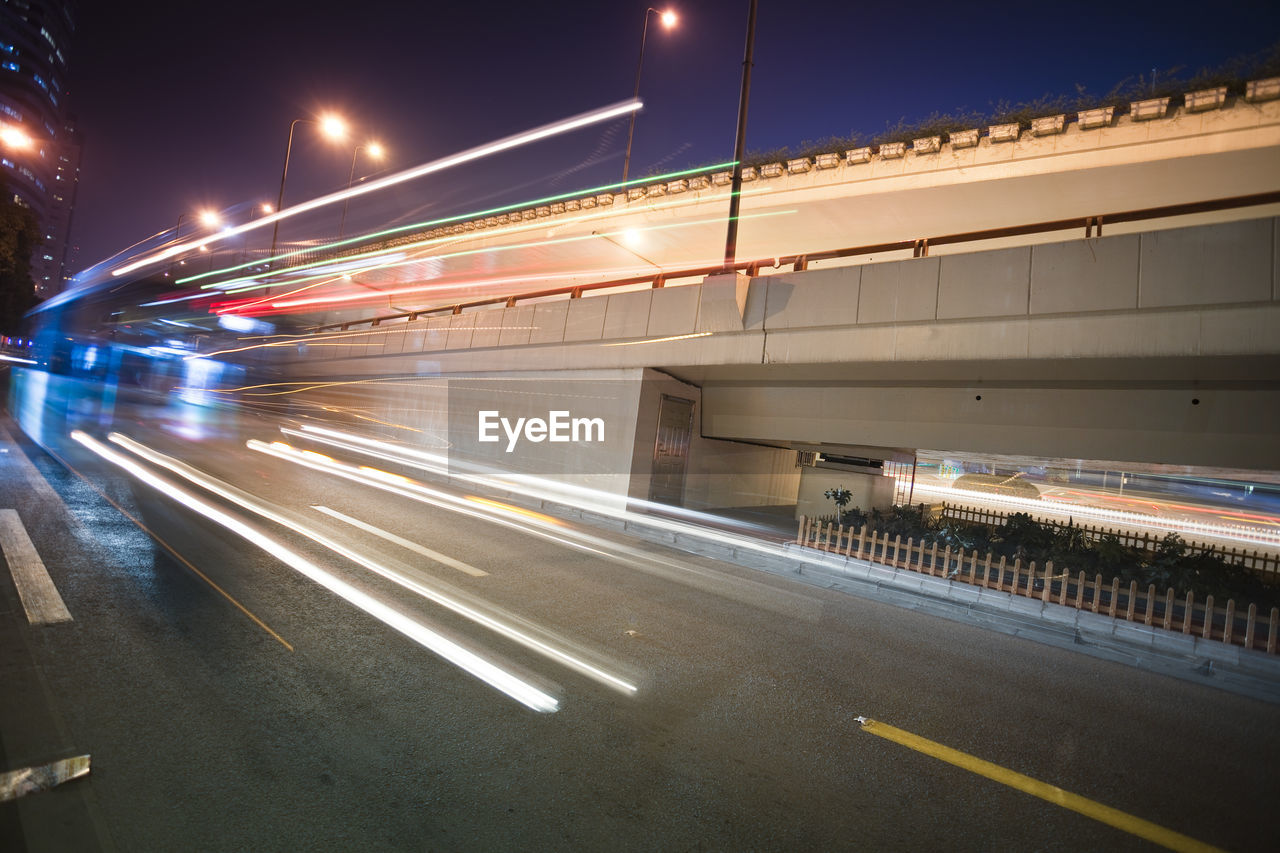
(920, 248)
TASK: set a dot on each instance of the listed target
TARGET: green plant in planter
(841, 496)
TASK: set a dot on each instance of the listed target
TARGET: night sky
(186, 106)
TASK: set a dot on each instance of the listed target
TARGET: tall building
(39, 145)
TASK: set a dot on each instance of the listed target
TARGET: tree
(19, 237)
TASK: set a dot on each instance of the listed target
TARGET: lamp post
(376, 151)
(735, 190)
(332, 127)
(208, 218)
(669, 20)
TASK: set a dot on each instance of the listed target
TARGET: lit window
(12, 66)
(7, 48)
(48, 38)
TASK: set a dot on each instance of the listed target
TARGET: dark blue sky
(188, 105)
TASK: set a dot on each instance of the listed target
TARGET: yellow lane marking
(174, 553)
(1050, 793)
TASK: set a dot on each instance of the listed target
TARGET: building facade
(39, 143)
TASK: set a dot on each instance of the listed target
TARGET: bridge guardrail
(920, 248)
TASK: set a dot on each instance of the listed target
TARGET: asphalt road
(318, 726)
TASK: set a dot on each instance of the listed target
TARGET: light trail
(465, 659)
(537, 488)
(510, 247)
(1043, 504)
(479, 152)
(447, 601)
(463, 217)
(553, 530)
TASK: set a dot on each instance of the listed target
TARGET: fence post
(1229, 628)
(933, 560)
(1097, 592)
(1080, 592)
(1151, 604)
(897, 546)
(826, 537)
(1000, 570)
(839, 536)
(1249, 626)
(986, 572)
(1048, 581)
(1066, 587)
(1115, 597)
(973, 559)
(1168, 609)
(1208, 618)
(946, 562)
(862, 540)
(1133, 600)
(1272, 630)
(1186, 612)
(800, 532)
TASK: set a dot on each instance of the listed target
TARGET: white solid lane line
(444, 559)
(39, 596)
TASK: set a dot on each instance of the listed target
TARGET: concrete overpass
(1154, 343)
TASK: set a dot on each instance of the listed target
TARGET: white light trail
(1135, 519)
(538, 488)
(449, 602)
(479, 152)
(465, 659)
(553, 530)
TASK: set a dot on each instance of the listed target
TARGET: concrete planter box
(722, 179)
(770, 170)
(1206, 99)
(858, 155)
(893, 150)
(963, 138)
(1152, 108)
(827, 161)
(926, 144)
(701, 182)
(799, 165)
(1048, 126)
(749, 173)
(1004, 132)
(1262, 90)
(677, 186)
(1091, 119)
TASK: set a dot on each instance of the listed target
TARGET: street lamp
(375, 151)
(669, 20)
(735, 190)
(331, 126)
(208, 218)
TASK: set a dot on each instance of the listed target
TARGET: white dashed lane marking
(39, 596)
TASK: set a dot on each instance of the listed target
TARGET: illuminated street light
(208, 218)
(669, 20)
(331, 126)
(374, 150)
